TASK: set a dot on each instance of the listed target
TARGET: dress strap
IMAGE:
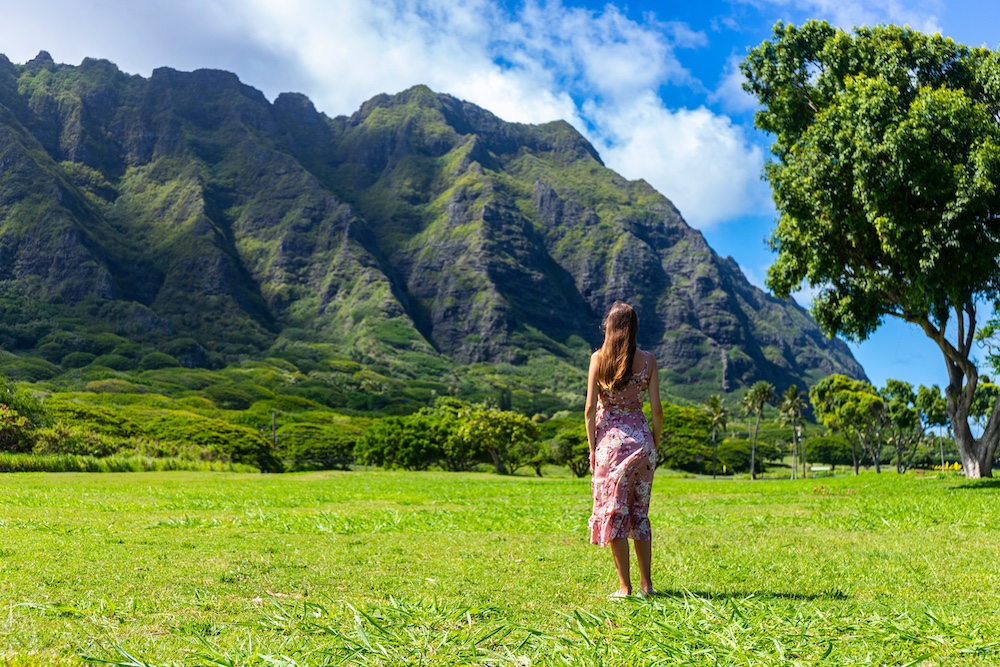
(645, 364)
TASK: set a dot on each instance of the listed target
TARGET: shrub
(63, 439)
(157, 360)
(567, 440)
(15, 430)
(115, 362)
(225, 441)
(832, 450)
(685, 441)
(400, 442)
(77, 359)
(315, 447)
(114, 386)
(94, 418)
(228, 397)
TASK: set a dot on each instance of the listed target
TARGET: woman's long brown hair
(614, 359)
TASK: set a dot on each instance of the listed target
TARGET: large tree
(854, 408)
(885, 174)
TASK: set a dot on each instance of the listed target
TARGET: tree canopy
(885, 173)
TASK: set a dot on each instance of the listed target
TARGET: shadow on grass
(764, 595)
(978, 485)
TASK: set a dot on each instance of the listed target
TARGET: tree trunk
(795, 451)
(941, 448)
(715, 453)
(854, 458)
(976, 453)
(963, 378)
(753, 446)
(805, 468)
(498, 462)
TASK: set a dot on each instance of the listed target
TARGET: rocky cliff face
(419, 234)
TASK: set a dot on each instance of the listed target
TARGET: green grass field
(376, 568)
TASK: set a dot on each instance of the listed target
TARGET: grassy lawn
(426, 568)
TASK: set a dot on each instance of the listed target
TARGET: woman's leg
(619, 549)
(641, 533)
(644, 556)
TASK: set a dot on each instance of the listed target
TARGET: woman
(622, 445)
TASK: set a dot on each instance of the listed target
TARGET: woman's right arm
(590, 411)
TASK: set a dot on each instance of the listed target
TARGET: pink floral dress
(626, 457)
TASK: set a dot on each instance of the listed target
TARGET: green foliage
(157, 360)
(228, 397)
(831, 450)
(104, 420)
(15, 430)
(225, 441)
(116, 362)
(685, 443)
(77, 359)
(567, 439)
(510, 439)
(305, 446)
(853, 408)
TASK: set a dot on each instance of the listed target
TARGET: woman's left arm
(590, 410)
(656, 407)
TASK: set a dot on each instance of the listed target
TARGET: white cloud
(730, 93)
(701, 160)
(846, 14)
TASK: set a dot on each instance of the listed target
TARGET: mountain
(185, 219)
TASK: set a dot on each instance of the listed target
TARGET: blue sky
(654, 85)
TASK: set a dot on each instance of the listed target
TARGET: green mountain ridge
(421, 239)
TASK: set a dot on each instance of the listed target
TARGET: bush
(225, 441)
(228, 397)
(832, 450)
(316, 447)
(400, 442)
(63, 439)
(157, 360)
(685, 442)
(95, 418)
(567, 440)
(114, 386)
(20, 414)
(115, 362)
(15, 431)
(77, 359)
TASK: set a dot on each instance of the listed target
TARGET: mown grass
(378, 568)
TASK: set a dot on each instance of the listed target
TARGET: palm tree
(793, 404)
(718, 422)
(747, 410)
(759, 395)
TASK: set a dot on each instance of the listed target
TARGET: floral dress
(625, 459)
